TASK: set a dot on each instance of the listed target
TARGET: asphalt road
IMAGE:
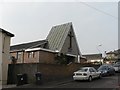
(104, 82)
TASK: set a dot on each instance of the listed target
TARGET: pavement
(9, 86)
(105, 82)
(43, 85)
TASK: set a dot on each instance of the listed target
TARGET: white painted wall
(0, 60)
(4, 57)
(98, 60)
(78, 58)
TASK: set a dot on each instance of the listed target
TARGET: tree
(62, 59)
(14, 60)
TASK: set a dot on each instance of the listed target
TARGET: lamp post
(99, 51)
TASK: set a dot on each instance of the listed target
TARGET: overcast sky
(94, 23)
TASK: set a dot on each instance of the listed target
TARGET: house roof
(110, 52)
(54, 41)
(28, 45)
(92, 56)
(6, 32)
(42, 49)
(57, 36)
(114, 52)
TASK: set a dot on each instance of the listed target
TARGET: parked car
(118, 62)
(106, 70)
(86, 73)
(117, 67)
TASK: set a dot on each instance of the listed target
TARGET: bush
(62, 59)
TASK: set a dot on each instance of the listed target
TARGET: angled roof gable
(6, 32)
(57, 36)
(59, 39)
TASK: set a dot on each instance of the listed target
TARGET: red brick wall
(50, 72)
(32, 59)
(39, 56)
(46, 57)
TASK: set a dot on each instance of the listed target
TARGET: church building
(60, 45)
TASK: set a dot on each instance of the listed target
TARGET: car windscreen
(116, 65)
(117, 62)
(83, 70)
(102, 68)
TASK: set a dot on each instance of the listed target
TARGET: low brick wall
(50, 72)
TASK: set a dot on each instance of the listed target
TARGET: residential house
(113, 56)
(61, 40)
(94, 58)
(5, 37)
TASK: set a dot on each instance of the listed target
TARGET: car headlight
(105, 71)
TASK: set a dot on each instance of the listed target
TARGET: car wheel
(119, 71)
(90, 78)
(113, 72)
(100, 76)
(108, 74)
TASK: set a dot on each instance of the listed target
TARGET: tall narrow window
(19, 55)
(70, 36)
(31, 54)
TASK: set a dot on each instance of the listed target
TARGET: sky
(95, 23)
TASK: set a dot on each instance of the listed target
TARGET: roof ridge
(63, 24)
(28, 42)
(38, 45)
(92, 54)
(8, 33)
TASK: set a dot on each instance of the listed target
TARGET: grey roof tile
(28, 45)
(57, 36)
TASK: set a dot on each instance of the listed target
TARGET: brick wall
(39, 56)
(47, 57)
(32, 59)
(50, 72)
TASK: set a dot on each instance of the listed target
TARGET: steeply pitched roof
(57, 36)
(6, 32)
(28, 45)
(58, 40)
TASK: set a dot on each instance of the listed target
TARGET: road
(104, 82)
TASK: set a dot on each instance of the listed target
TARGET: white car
(117, 67)
(86, 73)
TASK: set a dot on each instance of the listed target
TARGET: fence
(50, 72)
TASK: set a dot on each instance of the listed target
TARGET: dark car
(106, 70)
(118, 62)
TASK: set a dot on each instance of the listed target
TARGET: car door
(110, 70)
(96, 74)
(92, 73)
